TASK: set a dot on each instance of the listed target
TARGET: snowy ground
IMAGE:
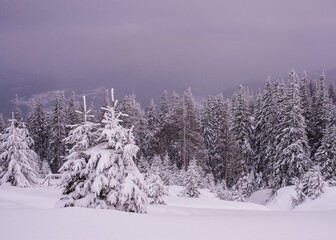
(31, 214)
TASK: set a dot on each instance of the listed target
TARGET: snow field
(31, 214)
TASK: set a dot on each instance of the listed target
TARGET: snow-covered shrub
(156, 189)
(311, 186)
(18, 162)
(191, 179)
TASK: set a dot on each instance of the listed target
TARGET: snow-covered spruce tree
(151, 143)
(266, 119)
(320, 113)
(17, 111)
(156, 189)
(311, 186)
(38, 130)
(325, 155)
(242, 129)
(113, 179)
(72, 116)
(166, 171)
(81, 137)
(292, 151)
(191, 140)
(105, 104)
(2, 124)
(143, 166)
(247, 184)
(191, 179)
(18, 163)
(57, 127)
(164, 133)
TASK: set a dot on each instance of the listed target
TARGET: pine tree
(156, 189)
(237, 195)
(18, 163)
(166, 171)
(164, 132)
(311, 186)
(325, 155)
(38, 129)
(191, 179)
(81, 137)
(2, 124)
(72, 117)
(331, 93)
(293, 150)
(57, 126)
(175, 137)
(191, 138)
(242, 129)
(222, 192)
(17, 111)
(209, 182)
(113, 180)
(151, 142)
(105, 104)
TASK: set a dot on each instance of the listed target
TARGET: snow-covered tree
(292, 150)
(222, 192)
(209, 182)
(166, 171)
(18, 163)
(151, 142)
(325, 155)
(191, 179)
(38, 129)
(113, 180)
(57, 127)
(81, 137)
(105, 104)
(2, 124)
(237, 195)
(156, 189)
(242, 129)
(72, 116)
(17, 111)
(311, 186)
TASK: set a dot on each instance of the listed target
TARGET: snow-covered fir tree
(209, 182)
(310, 187)
(191, 138)
(106, 103)
(237, 194)
(113, 180)
(156, 189)
(2, 124)
(72, 116)
(325, 155)
(18, 163)
(166, 171)
(81, 137)
(190, 182)
(38, 129)
(222, 191)
(292, 151)
(242, 129)
(151, 142)
(17, 111)
(57, 127)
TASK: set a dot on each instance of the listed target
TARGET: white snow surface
(30, 213)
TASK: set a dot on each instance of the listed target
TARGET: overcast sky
(142, 44)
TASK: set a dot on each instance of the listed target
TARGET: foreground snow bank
(30, 214)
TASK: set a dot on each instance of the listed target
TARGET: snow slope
(30, 214)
